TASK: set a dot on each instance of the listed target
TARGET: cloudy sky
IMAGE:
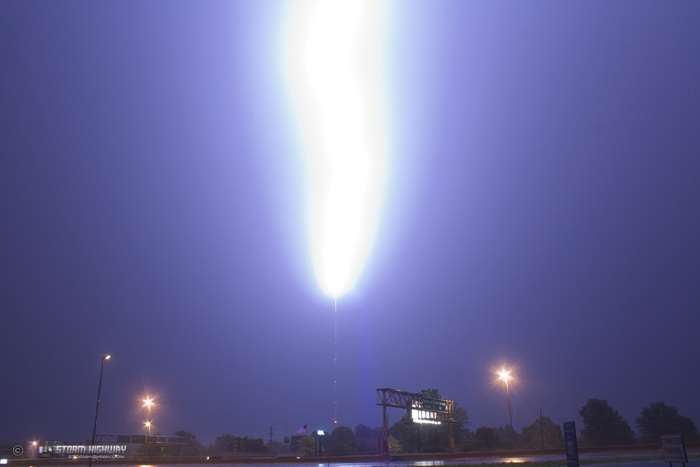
(541, 209)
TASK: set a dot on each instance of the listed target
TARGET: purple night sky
(543, 209)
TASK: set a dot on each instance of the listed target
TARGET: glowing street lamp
(505, 376)
(148, 403)
(319, 434)
(147, 424)
(97, 407)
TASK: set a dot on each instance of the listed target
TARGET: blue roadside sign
(571, 444)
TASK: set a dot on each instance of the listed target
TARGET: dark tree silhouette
(368, 439)
(191, 446)
(341, 441)
(543, 433)
(486, 438)
(225, 443)
(603, 425)
(407, 434)
(660, 419)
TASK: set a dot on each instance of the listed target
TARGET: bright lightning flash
(333, 62)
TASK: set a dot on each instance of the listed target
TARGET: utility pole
(270, 438)
(541, 429)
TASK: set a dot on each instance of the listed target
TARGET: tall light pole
(148, 403)
(504, 375)
(147, 424)
(97, 406)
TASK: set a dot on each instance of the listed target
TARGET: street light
(505, 376)
(319, 434)
(147, 425)
(148, 403)
(97, 407)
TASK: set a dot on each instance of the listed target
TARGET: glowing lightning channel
(335, 362)
(333, 57)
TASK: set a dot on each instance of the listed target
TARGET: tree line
(602, 426)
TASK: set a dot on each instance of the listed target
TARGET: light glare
(504, 375)
(332, 59)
